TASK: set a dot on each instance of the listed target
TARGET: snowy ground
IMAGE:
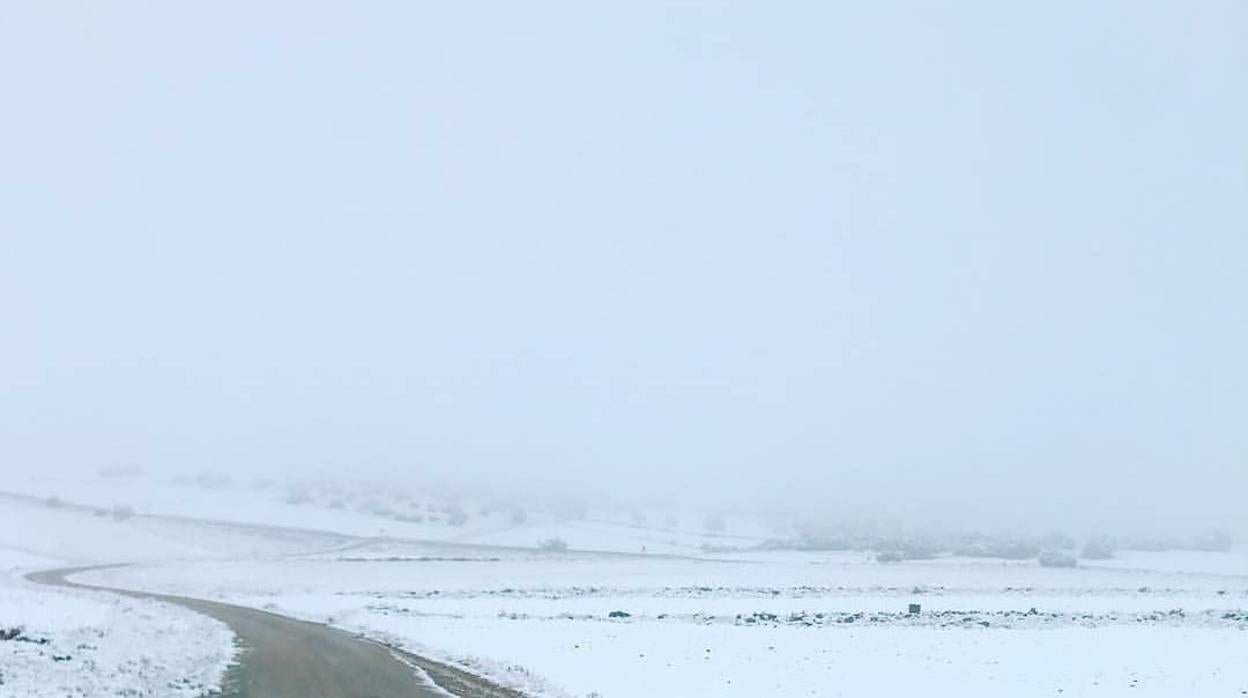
(782, 624)
(618, 624)
(395, 513)
(56, 642)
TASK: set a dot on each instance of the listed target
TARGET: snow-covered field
(374, 512)
(775, 624)
(619, 624)
(59, 642)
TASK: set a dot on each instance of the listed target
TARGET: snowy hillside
(56, 642)
(737, 621)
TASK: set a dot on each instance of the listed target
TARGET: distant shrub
(53, 502)
(1056, 558)
(897, 551)
(715, 523)
(1100, 548)
(889, 556)
(553, 545)
(1002, 549)
(299, 494)
(18, 634)
(810, 542)
(1058, 541)
(909, 548)
(373, 506)
(918, 551)
(519, 516)
(1214, 541)
(121, 512)
(638, 518)
(455, 516)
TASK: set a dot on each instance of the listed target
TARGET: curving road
(287, 658)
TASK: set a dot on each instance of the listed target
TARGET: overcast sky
(813, 246)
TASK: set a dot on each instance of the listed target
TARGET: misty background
(892, 252)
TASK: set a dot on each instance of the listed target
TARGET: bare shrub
(553, 545)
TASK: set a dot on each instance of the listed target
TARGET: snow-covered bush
(1056, 558)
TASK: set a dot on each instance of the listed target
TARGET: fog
(891, 253)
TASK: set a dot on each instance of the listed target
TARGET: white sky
(997, 247)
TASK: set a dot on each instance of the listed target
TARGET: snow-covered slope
(57, 642)
(395, 512)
